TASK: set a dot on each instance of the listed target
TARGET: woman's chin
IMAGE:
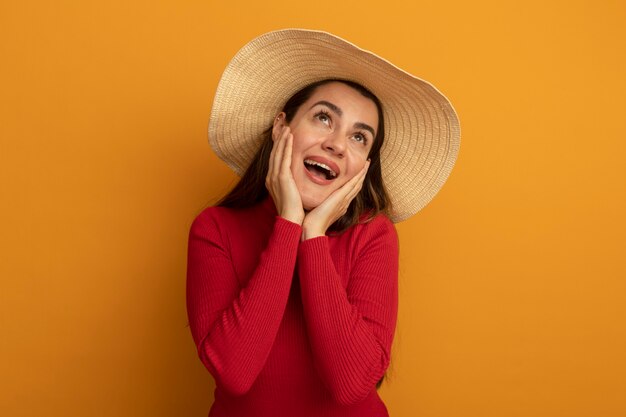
(309, 203)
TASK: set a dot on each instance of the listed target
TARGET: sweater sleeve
(351, 329)
(234, 328)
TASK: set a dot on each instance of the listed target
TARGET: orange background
(512, 280)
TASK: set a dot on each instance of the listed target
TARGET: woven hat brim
(422, 132)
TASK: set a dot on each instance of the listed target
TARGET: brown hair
(371, 200)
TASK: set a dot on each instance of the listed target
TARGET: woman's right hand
(279, 181)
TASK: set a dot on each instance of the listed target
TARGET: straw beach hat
(422, 133)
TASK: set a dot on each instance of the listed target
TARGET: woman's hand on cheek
(279, 180)
(318, 220)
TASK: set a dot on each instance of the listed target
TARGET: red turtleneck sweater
(291, 328)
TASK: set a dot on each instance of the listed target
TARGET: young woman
(292, 281)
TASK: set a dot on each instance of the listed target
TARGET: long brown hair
(371, 200)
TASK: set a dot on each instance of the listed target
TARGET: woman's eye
(323, 117)
(360, 137)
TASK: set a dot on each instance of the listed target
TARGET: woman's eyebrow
(330, 105)
(367, 127)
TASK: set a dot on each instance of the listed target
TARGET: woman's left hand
(318, 220)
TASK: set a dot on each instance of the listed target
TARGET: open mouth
(319, 169)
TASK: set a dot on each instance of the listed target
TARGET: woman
(292, 278)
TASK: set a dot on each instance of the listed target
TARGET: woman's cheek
(359, 164)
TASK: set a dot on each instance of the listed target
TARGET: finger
(352, 188)
(270, 169)
(357, 181)
(286, 161)
(359, 184)
(360, 178)
(363, 173)
(275, 156)
(341, 197)
(278, 155)
(354, 191)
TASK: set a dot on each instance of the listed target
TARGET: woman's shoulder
(373, 235)
(378, 221)
(212, 213)
(226, 217)
(213, 218)
(379, 226)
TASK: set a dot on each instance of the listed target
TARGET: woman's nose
(335, 143)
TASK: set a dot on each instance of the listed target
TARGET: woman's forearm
(234, 328)
(351, 329)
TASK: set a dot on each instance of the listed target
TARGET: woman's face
(333, 132)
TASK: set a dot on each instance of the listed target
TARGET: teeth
(323, 166)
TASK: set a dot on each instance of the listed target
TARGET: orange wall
(512, 279)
